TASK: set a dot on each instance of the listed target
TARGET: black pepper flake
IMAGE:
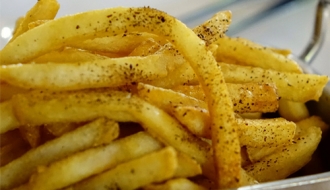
(77, 27)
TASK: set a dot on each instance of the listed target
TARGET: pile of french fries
(130, 98)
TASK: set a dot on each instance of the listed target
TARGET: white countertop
(289, 27)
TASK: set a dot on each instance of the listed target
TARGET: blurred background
(279, 23)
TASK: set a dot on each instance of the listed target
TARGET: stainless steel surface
(319, 32)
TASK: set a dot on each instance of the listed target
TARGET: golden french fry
(245, 97)
(290, 86)
(111, 72)
(68, 55)
(151, 168)
(251, 132)
(214, 28)
(173, 184)
(179, 70)
(18, 171)
(93, 161)
(187, 166)
(293, 111)
(85, 25)
(121, 106)
(7, 117)
(245, 52)
(314, 121)
(42, 10)
(123, 43)
(287, 159)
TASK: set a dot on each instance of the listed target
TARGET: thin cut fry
(18, 171)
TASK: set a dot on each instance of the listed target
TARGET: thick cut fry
(93, 161)
(8, 120)
(251, 132)
(288, 159)
(293, 111)
(97, 23)
(42, 10)
(290, 86)
(68, 55)
(91, 74)
(151, 168)
(174, 184)
(244, 52)
(95, 133)
(214, 28)
(245, 97)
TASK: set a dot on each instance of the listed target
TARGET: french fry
(290, 86)
(7, 117)
(151, 168)
(314, 121)
(123, 43)
(214, 28)
(177, 183)
(18, 171)
(79, 106)
(93, 161)
(251, 132)
(245, 97)
(42, 10)
(288, 159)
(91, 74)
(179, 70)
(58, 129)
(245, 52)
(293, 111)
(187, 166)
(68, 55)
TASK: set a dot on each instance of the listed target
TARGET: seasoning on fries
(121, 94)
